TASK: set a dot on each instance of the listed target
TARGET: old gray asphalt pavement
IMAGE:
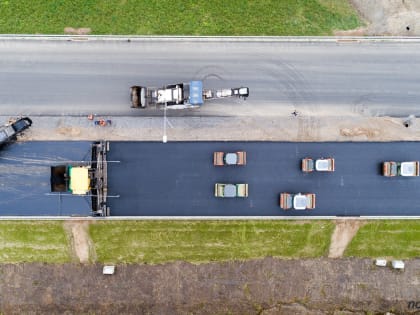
(65, 77)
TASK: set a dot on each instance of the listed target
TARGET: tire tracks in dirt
(82, 248)
(343, 233)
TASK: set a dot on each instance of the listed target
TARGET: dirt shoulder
(387, 17)
(246, 128)
(267, 286)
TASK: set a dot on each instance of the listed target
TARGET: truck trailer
(180, 96)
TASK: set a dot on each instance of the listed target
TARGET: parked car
(320, 165)
(230, 190)
(391, 168)
(299, 201)
(229, 158)
(10, 130)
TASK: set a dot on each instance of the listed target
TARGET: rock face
(265, 286)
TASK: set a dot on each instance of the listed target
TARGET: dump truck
(320, 165)
(229, 158)
(391, 168)
(180, 96)
(230, 190)
(14, 127)
(299, 201)
(87, 179)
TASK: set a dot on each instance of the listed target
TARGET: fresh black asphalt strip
(177, 179)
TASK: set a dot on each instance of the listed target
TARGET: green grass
(202, 241)
(178, 17)
(389, 239)
(31, 241)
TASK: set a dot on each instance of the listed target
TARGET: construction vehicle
(230, 190)
(85, 178)
(320, 165)
(14, 127)
(391, 168)
(180, 96)
(229, 158)
(299, 201)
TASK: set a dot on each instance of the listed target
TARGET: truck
(391, 168)
(180, 96)
(230, 190)
(88, 179)
(229, 158)
(299, 201)
(320, 165)
(13, 128)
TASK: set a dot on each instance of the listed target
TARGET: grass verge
(179, 17)
(389, 239)
(203, 241)
(33, 241)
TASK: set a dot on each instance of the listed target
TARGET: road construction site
(337, 90)
(178, 179)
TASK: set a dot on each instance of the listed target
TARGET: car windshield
(3, 136)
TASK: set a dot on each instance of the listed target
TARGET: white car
(320, 165)
(299, 201)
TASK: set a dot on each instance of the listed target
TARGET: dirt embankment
(344, 232)
(267, 286)
(387, 17)
(274, 128)
(82, 248)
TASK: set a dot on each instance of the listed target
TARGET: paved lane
(60, 77)
(25, 179)
(177, 178)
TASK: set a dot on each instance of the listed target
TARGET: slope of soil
(267, 286)
(388, 17)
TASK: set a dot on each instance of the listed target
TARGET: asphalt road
(177, 178)
(25, 179)
(77, 78)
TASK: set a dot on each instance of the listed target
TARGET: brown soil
(77, 31)
(361, 31)
(275, 128)
(344, 232)
(387, 17)
(81, 244)
(264, 286)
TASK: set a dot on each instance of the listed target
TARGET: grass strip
(33, 241)
(387, 239)
(178, 17)
(203, 241)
